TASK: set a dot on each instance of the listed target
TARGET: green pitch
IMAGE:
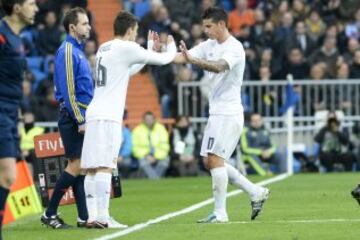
(300, 207)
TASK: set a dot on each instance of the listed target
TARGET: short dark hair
(123, 21)
(8, 5)
(216, 14)
(148, 113)
(71, 17)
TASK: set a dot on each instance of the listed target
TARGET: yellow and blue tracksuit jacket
(74, 87)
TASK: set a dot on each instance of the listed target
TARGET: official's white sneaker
(112, 223)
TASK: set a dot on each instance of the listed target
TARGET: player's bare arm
(179, 58)
(211, 66)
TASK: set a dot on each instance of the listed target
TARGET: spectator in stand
(48, 82)
(151, 146)
(286, 27)
(282, 8)
(355, 67)
(352, 46)
(49, 38)
(27, 133)
(205, 4)
(317, 73)
(144, 25)
(90, 48)
(184, 143)
(48, 108)
(296, 65)
(300, 39)
(267, 59)
(268, 97)
(300, 10)
(355, 140)
(257, 29)
(29, 101)
(164, 78)
(329, 9)
(92, 63)
(334, 146)
(196, 34)
(328, 54)
(315, 25)
(240, 16)
(343, 94)
(352, 30)
(125, 163)
(267, 38)
(256, 144)
(182, 12)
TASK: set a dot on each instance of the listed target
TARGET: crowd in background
(309, 39)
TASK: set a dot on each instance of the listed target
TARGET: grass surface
(301, 197)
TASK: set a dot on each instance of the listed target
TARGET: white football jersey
(225, 89)
(116, 61)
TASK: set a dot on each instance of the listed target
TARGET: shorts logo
(210, 143)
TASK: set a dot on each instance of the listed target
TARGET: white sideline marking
(300, 221)
(194, 207)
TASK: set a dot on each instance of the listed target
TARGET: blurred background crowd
(309, 39)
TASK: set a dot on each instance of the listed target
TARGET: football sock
(79, 194)
(62, 185)
(219, 188)
(240, 181)
(103, 187)
(90, 193)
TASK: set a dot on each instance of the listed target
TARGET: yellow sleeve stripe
(82, 105)
(70, 82)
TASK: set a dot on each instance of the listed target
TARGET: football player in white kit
(117, 60)
(223, 59)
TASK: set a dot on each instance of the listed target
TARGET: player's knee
(7, 174)
(73, 167)
(214, 161)
(7, 179)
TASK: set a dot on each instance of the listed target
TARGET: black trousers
(328, 159)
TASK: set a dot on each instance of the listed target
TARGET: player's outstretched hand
(170, 39)
(184, 51)
(154, 36)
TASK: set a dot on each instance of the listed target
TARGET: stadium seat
(141, 8)
(35, 62)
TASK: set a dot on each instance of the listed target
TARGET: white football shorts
(221, 135)
(102, 143)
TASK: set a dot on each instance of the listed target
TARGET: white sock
(103, 187)
(219, 188)
(90, 194)
(240, 181)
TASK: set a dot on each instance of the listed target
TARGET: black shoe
(54, 221)
(356, 193)
(81, 224)
(97, 224)
(258, 204)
